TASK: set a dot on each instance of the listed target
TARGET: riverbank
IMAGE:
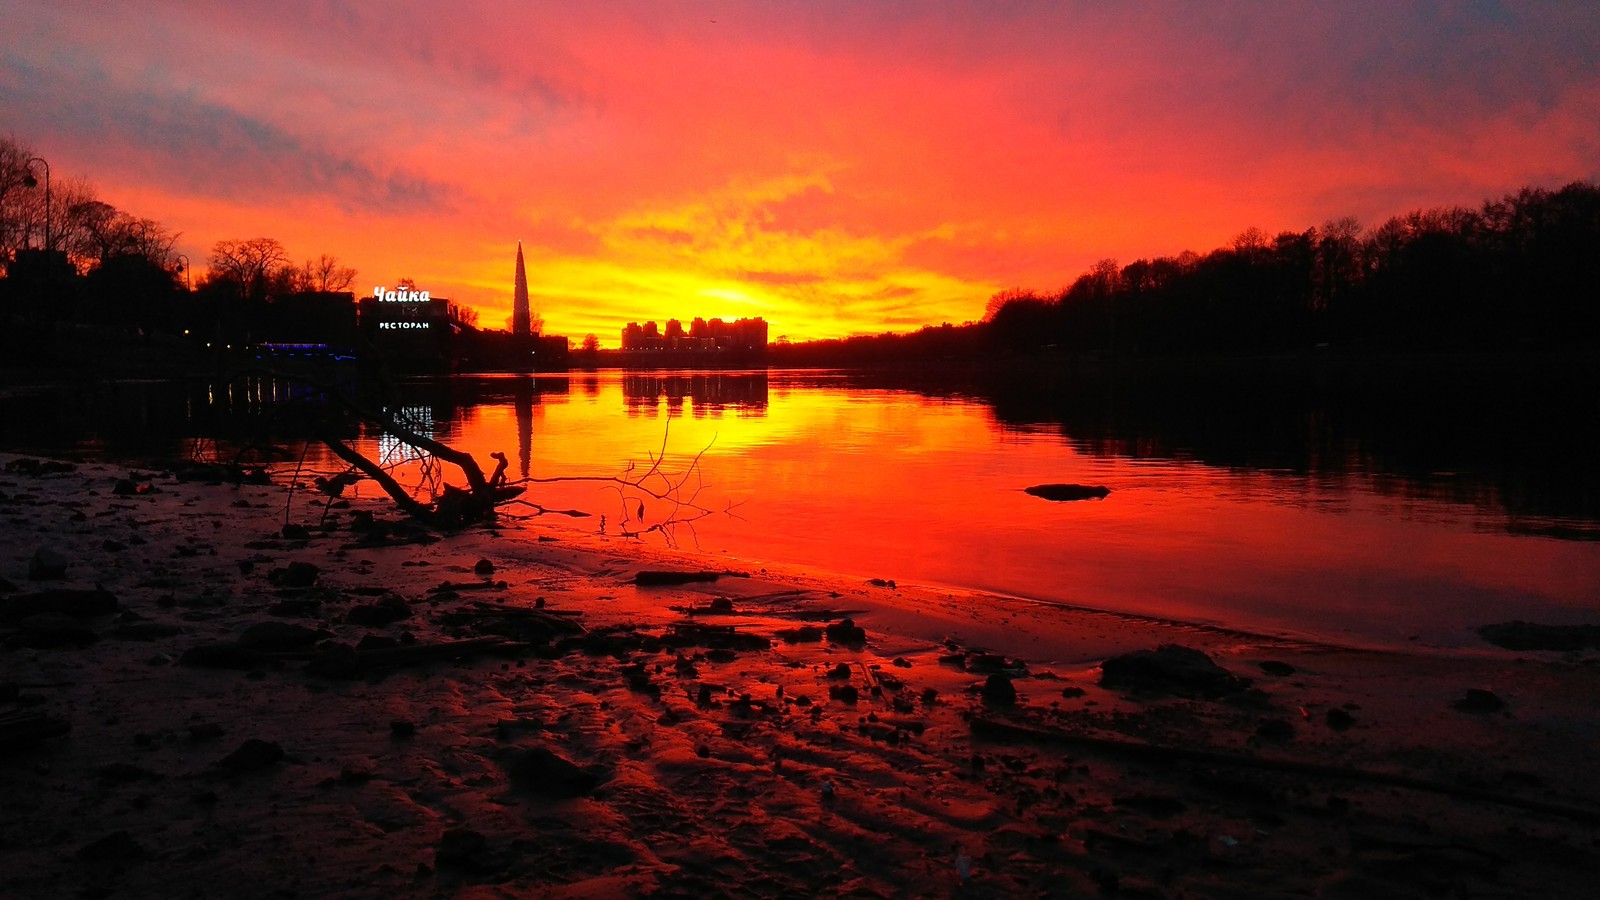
(352, 707)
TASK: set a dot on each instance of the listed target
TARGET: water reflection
(1308, 500)
(707, 393)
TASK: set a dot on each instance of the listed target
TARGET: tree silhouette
(324, 274)
(249, 265)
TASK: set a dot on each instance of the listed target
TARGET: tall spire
(519, 302)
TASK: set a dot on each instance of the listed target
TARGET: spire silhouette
(519, 303)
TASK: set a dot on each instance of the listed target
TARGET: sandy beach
(198, 701)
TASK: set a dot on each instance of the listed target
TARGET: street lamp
(30, 181)
(186, 283)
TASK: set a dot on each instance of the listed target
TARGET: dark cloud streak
(191, 146)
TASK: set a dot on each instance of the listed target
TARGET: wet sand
(315, 714)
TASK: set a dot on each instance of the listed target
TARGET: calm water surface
(1209, 519)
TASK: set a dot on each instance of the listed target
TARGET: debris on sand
(1169, 669)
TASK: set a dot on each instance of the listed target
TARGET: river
(1362, 513)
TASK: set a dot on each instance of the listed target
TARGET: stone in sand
(541, 771)
(466, 850)
(251, 755)
(998, 691)
(1478, 700)
(46, 564)
(296, 575)
(844, 693)
(66, 601)
(846, 631)
(118, 846)
(387, 611)
(483, 567)
(280, 636)
(45, 630)
(1170, 668)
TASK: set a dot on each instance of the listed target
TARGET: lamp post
(30, 181)
(186, 283)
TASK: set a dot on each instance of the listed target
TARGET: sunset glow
(835, 168)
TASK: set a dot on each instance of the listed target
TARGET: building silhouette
(520, 315)
(744, 335)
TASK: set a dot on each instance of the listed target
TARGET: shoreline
(596, 737)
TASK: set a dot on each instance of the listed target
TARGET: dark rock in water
(484, 567)
(387, 611)
(805, 634)
(1339, 720)
(111, 546)
(1519, 635)
(402, 728)
(1276, 669)
(998, 691)
(251, 755)
(280, 636)
(1478, 700)
(1171, 669)
(721, 605)
(844, 693)
(296, 532)
(541, 771)
(846, 631)
(118, 846)
(840, 672)
(295, 575)
(46, 564)
(1065, 492)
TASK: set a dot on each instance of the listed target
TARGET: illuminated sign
(386, 325)
(400, 296)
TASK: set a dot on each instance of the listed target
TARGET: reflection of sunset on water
(897, 484)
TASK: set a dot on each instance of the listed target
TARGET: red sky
(834, 167)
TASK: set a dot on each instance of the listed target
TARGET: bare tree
(250, 264)
(14, 180)
(462, 315)
(324, 274)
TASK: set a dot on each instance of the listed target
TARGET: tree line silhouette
(1522, 271)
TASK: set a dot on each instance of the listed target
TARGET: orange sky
(834, 167)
